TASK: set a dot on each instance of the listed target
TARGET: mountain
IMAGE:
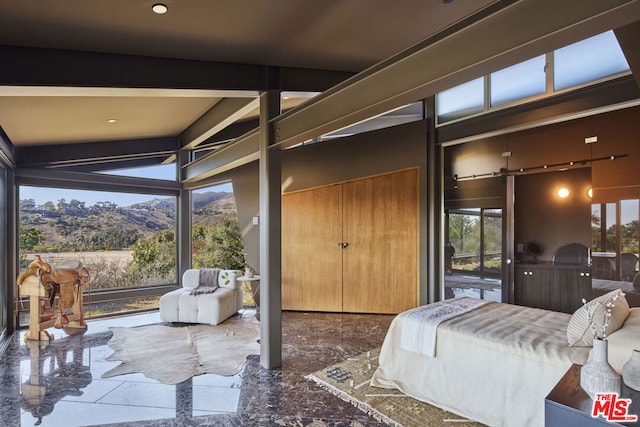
(210, 205)
(107, 226)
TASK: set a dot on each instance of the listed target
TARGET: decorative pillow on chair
(227, 279)
(579, 333)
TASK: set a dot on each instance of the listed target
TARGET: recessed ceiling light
(111, 121)
(159, 8)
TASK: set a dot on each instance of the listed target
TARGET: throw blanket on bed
(208, 281)
(420, 324)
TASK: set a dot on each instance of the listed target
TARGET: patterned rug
(349, 380)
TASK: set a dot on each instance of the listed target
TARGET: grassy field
(120, 258)
(88, 258)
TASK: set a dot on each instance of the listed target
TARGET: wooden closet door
(381, 228)
(311, 257)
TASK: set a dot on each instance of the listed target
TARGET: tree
(198, 232)
(223, 246)
(27, 204)
(30, 237)
(156, 254)
(49, 206)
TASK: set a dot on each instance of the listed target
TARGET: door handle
(343, 245)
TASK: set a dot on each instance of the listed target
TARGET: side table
(568, 405)
(252, 285)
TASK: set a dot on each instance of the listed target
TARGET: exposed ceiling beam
(119, 92)
(242, 151)
(629, 39)
(221, 115)
(83, 181)
(27, 66)
(231, 132)
(499, 36)
(510, 35)
(89, 152)
(6, 149)
(116, 164)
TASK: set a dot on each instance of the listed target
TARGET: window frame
(57, 178)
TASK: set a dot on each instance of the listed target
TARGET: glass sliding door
(615, 245)
(473, 253)
(615, 240)
(629, 239)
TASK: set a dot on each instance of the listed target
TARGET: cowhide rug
(172, 354)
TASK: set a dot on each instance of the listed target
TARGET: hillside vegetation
(73, 226)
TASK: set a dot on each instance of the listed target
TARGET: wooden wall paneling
(480, 158)
(381, 228)
(311, 257)
(559, 143)
(618, 132)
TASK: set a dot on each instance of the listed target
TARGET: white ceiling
(329, 35)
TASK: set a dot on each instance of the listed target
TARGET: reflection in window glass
(473, 254)
(518, 81)
(603, 241)
(461, 101)
(588, 60)
(611, 241)
(476, 237)
(596, 228)
(464, 235)
(629, 238)
(127, 240)
(492, 240)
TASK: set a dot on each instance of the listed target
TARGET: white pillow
(579, 333)
(191, 278)
(625, 340)
(227, 279)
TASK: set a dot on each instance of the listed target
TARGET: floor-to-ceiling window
(216, 240)
(216, 237)
(123, 228)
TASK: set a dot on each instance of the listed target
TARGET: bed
(494, 363)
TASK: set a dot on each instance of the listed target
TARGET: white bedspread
(494, 364)
(419, 325)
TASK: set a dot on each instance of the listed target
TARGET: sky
(42, 195)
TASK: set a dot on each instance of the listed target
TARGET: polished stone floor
(60, 384)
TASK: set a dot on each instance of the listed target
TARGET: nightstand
(568, 405)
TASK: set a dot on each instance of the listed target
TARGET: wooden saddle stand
(42, 283)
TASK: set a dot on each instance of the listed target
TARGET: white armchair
(211, 308)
